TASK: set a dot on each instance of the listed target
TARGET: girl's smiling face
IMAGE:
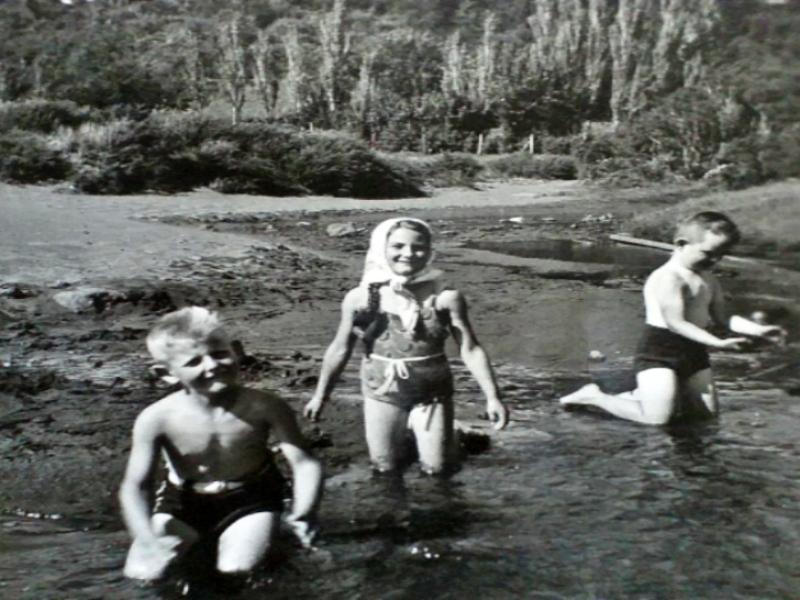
(407, 251)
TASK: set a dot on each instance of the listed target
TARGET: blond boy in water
(682, 298)
(213, 435)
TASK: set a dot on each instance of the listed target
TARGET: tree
(264, 72)
(232, 64)
(363, 96)
(290, 100)
(335, 44)
(657, 47)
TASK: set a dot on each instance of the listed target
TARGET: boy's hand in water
(148, 560)
(304, 529)
(774, 333)
(312, 409)
(734, 343)
(497, 413)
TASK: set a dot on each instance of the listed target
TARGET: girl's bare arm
(336, 355)
(473, 354)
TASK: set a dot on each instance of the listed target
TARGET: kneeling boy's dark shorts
(212, 513)
(662, 349)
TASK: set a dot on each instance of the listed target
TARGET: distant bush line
(175, 151)
(689, 137)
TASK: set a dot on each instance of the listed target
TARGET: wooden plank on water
(621, 238)
(634, 241)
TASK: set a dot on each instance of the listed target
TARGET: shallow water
(564, 505)
(625, 258)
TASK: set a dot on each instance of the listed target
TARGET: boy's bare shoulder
(157, 414)
(265, 403)
(664, 275)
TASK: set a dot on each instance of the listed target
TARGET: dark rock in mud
(16, 291)
(18, 382)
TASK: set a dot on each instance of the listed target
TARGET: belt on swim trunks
(396, 368)
(216, 487)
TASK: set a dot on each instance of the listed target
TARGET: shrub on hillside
(44, 116)
(336, 165)
(26, 158)
(180, 151)
(451, 169)
(235, 172)
(132, 157)
(780, 153)
(534, 166)
(560, 145)
(740, 163)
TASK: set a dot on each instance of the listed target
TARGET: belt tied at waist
(219, 486)
(396, 368)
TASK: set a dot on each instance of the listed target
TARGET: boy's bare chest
(201, 434)
(697, 289)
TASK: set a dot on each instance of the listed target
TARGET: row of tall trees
(374, 67)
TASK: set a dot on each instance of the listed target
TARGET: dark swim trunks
(661, 348)
(212, 513)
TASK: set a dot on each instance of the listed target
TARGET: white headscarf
(394, 297)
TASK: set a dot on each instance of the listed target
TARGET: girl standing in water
(403, 313)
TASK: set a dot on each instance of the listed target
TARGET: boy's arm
(473, 355)
(737, 323)
(137, 481)
(670, 293)
(306, 471)
(336, 355)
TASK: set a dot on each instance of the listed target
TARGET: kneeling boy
(681, 300)
(213, 434)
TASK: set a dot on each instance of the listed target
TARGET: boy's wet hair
(413, 226)
(192, 322)
(690, 229)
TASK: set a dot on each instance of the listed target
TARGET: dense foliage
(679, 88)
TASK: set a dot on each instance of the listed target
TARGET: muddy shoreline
(75, 372)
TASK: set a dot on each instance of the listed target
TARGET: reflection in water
(633, 258)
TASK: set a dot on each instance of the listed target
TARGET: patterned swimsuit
(402, 367)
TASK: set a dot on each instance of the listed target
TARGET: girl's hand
(312, 410)
(497, 413)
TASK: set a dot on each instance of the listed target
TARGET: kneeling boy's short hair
(192, 322)
(690, 229)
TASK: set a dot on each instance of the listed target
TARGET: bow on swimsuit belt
(396, 368)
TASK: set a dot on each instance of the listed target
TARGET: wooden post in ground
(480, 143)
(530, 144)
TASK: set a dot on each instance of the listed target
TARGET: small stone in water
(597, 355)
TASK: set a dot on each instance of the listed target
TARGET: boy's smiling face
(206, 366)
(704, 252)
